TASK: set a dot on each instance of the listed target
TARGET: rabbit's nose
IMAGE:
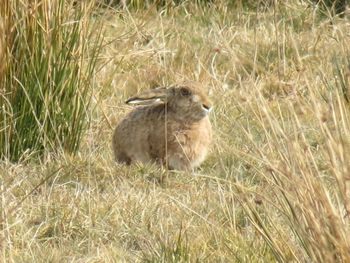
(207, 108)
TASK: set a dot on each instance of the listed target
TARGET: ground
(275, 184)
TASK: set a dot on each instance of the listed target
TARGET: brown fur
(175, 132)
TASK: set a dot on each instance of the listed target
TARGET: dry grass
(275, 186)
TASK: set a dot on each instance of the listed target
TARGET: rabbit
(171, 128)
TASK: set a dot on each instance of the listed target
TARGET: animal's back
(131, 138)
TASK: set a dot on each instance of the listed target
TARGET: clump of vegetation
(331, 7)
(48, 61)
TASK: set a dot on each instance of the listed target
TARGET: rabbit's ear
(149, 96)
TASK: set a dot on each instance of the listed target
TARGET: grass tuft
(49, 62)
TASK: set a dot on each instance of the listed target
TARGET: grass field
(275, 186)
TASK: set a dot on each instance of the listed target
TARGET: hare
(172, 128)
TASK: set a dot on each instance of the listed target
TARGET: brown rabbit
(172, 129)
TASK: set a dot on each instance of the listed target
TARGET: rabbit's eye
(185, 92)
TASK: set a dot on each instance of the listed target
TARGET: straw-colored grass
(275, 186)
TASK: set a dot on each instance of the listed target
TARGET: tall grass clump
(308, 170)
(47, 62)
